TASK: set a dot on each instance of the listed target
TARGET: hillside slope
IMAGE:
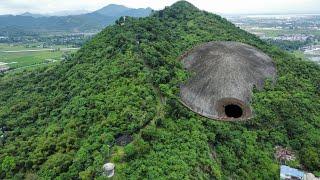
(66, 121)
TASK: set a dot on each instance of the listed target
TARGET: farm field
(19, 56)
(271, 33)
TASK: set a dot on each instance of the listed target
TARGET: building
(108, 169)
(310, 176)
(3, 37)
(287, 173)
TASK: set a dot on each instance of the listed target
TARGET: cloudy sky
(217, 6)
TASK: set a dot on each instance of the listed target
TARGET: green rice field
(18, 56)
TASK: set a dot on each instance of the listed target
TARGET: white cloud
(221, 6)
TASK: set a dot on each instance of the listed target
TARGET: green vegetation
(19, 56)
(289, 45)
(63, 121)
(279, 32)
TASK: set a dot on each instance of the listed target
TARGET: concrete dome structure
(108, 169)
(223, 76)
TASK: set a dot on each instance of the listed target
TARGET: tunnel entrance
(233, 111)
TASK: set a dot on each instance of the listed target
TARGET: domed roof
(108, 166)
(223, 75)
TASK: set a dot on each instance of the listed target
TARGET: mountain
(117, 100)
(72, 23)
(68, 13)
(32, 15)
(79, 23)
(58, 13)
(119, 10)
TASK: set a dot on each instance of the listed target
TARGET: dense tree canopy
(64, 121)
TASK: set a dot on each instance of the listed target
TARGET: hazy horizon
(228, 7)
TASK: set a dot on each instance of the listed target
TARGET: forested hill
(122, 87)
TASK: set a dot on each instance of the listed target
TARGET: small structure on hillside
(310, 176)
(283, 155)
(108, 169)
(287, 173)
(223, 76)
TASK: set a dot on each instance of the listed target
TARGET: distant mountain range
(67, 21)
(58, 13)
(32, 15)
(119, 10)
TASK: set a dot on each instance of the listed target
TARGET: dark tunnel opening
(233, 111)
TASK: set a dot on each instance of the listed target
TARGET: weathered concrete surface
(224, 73)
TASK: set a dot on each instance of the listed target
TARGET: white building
(108, 169)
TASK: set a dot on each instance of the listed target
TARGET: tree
(8, 165)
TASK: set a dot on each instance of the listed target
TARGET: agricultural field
(20, 56)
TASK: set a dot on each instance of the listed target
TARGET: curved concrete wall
(224, 73)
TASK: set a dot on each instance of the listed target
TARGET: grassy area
(28, 59)
(278, 32)
(307, 57)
